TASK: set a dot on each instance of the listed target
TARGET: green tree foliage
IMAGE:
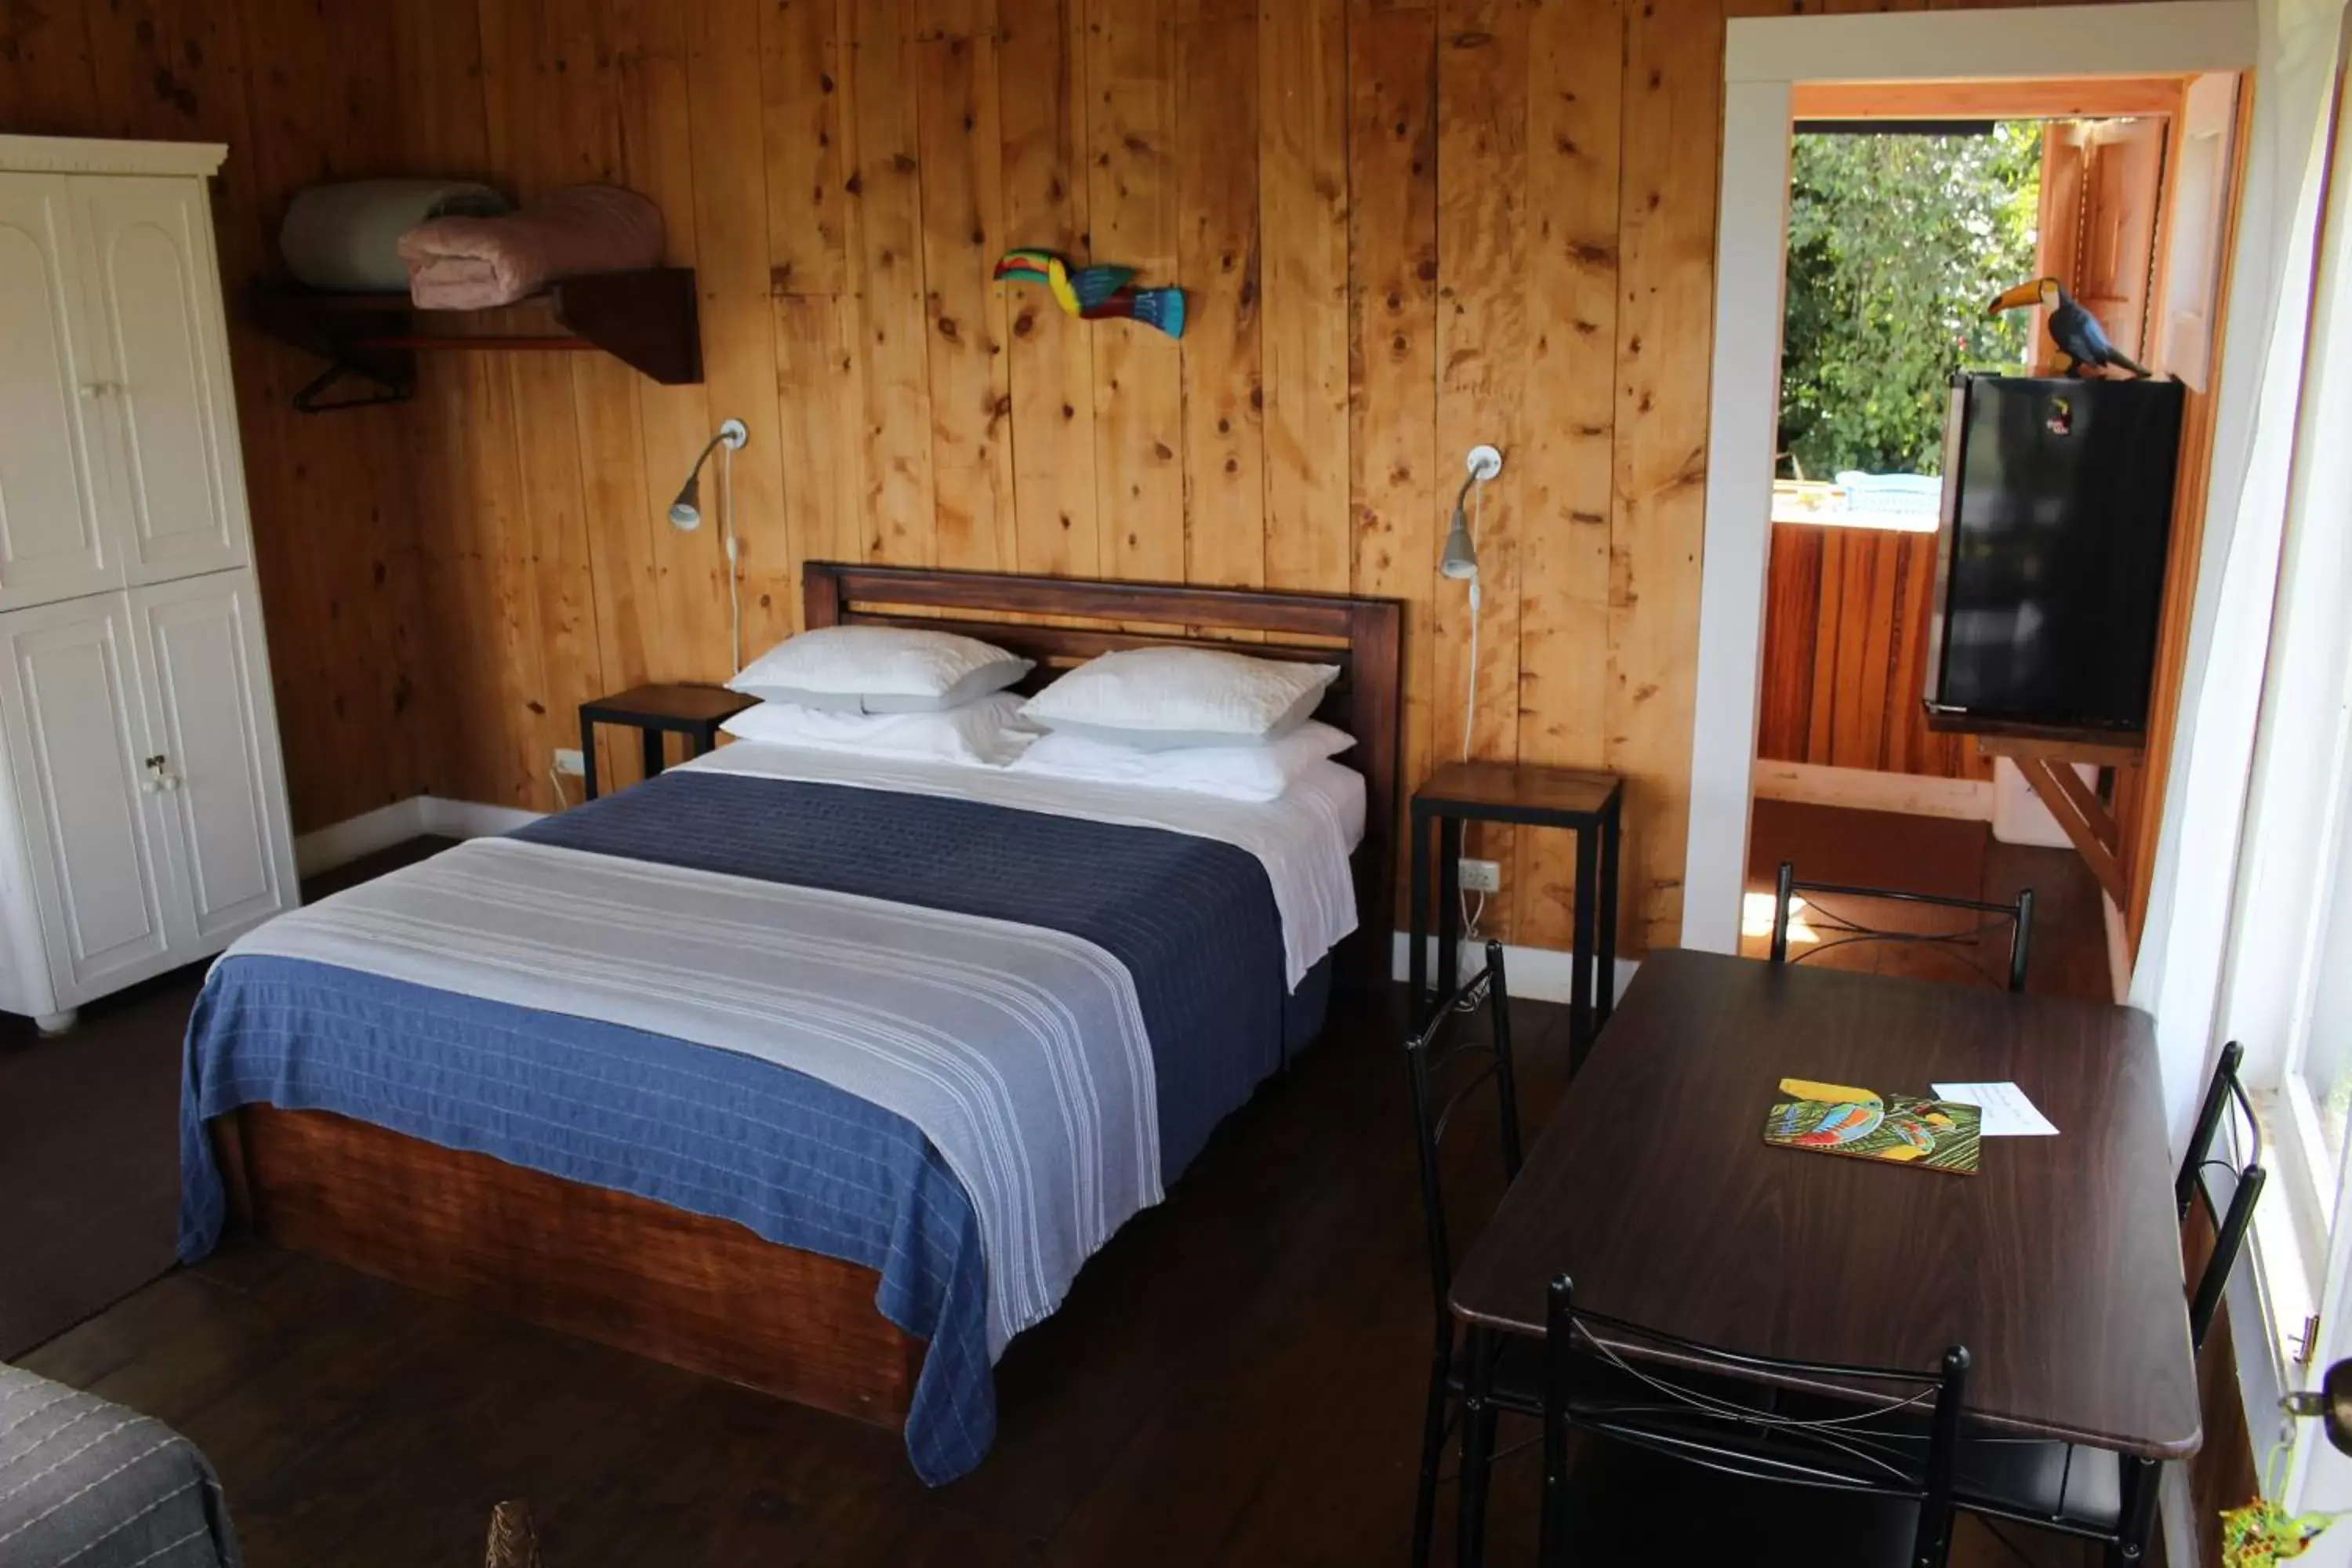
(1896, 243)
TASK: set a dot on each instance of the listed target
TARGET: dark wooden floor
(1236, 1379)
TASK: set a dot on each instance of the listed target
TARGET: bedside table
(677, 708)
(1590, 804)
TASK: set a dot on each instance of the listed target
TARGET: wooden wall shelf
(2060, 742)
(648, 321)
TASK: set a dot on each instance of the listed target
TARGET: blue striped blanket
(474, 1057)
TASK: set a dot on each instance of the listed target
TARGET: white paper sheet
(2007, 1113)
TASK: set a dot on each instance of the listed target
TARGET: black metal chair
(1446, 1051)
(2091, 1493)
(1836, 931)
(1672, 1434)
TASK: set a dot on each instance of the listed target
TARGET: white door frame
(1764, 58)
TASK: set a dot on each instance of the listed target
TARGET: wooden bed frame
(708, 1294)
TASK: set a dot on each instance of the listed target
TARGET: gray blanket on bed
(92, 1484)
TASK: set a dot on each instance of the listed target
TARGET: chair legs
(1478, 1448)
(1432, 1447)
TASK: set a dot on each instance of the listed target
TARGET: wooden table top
(2058, 1264)
(1519, 788)
(680, 701)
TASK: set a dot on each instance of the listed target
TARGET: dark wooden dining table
(2057, 1265)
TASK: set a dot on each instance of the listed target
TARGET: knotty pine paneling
(1405, 225)
(1845, 648)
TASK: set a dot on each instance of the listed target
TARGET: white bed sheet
(1303, 839)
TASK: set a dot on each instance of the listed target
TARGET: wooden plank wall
(1847, 614)
(334, 503)
(1405, 225)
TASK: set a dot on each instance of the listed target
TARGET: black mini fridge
(2057, 511)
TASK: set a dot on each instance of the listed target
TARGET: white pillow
(1170, 697)
(1258, 772)
(878, 669)
(986, 733)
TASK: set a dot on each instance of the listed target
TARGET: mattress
(1200, 903)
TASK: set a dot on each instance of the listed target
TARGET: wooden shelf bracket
(648, 319)
(2048, 767)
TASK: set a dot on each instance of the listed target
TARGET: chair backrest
(1691, 1402)
(1836, 931)
(1446, 1052)
(2232, 1224)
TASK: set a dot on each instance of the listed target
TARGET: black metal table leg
(1611, 835)
(1477, 1446)
(588, 756)
(653, 751)
(1582, 948)
(1417, 956)
(1449, 905)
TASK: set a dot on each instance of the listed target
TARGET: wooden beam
(2099, 754)
(2081, 98)
(2089, 824)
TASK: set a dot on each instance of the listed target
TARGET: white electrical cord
(555, 777)
(726, 539)
(1472, 914)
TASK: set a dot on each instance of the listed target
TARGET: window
(2287, 992)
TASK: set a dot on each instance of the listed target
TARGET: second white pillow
(986, 733)
(1254, 773)
(1162, 697)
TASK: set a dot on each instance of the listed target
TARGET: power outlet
(1481, 877)
(568, 761)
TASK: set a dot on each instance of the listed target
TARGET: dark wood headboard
(1363, 636)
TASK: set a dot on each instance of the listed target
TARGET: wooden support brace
(2089, 824)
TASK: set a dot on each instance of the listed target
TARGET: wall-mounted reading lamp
(1459, 561)
(685, 515)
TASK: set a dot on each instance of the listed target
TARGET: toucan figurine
(2074, 330)
(1096, 293)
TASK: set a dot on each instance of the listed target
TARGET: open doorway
(1911, 207)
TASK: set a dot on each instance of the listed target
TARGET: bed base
(703, 1294)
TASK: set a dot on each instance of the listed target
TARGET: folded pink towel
(474, 263)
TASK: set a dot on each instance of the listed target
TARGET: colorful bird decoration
(2074, 330)
(1096, 293)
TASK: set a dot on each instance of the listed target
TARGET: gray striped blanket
(86, 1484)
(1020, 1052)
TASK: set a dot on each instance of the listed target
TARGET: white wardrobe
(142, 797)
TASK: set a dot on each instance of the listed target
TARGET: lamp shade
(686, 511)
(1460, 559)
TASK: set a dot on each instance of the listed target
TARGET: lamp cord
(1470, 913)
(734, 576)
(1470, 707)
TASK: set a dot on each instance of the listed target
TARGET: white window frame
(2287, 926)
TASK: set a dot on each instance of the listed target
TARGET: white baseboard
(1866, 789)
(1538, 974)
(418, 816)
(471, 819)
